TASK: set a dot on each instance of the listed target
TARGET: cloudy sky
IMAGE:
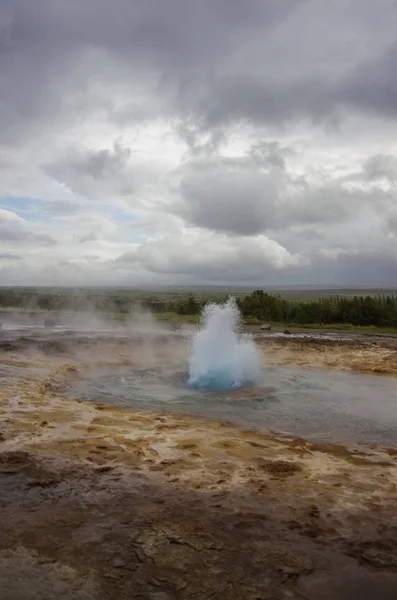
(198, 142)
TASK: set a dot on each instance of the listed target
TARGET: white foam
(222, 357)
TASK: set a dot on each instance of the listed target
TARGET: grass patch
(175, 319)
(344, 327)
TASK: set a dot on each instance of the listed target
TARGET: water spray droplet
(222, 357)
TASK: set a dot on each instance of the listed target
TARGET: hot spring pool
(319, 405)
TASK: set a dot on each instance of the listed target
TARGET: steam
(222, 358)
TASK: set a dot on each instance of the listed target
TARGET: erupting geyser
(222, 357)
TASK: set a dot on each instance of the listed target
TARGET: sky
(185, 142)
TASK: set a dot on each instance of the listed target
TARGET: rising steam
(222, 358)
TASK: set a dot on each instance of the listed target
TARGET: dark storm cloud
(372, 86)
(324, 62)
(245, 98)
(76, 75)
(381, 166)
(91, 172)
(42, 41)
(369, 88)
(376, 267)
(97, 164)
(363, 268)
(200, 56)
(258, 194)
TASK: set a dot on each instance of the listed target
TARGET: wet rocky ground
(98, 502)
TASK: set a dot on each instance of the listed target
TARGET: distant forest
(377, 310)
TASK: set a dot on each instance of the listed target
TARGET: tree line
(379, 311)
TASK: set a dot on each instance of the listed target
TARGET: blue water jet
(222, 357)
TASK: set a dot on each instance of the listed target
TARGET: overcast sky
(198, 142)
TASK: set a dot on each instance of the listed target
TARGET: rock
(382, 560)
(266, 327)
(49, 323)
(45, 480)
(14, 462)
(314, 511)
(287, 332)
(118, 563)
(279, 468)
(104, 468)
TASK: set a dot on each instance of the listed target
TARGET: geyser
(222, 357)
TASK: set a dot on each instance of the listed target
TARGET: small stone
(104, 468)
(118, 563)
(110, 575)
(380, 559)
(314, 511)
(46, 559)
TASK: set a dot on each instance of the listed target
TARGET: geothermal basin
(225, 378)
(317, 405)
(112, 485)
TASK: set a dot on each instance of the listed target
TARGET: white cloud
(200, 253)
(222, 142)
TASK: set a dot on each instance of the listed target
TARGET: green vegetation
(172, 306)
(378, 311)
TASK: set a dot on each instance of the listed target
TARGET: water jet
(222, 356)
